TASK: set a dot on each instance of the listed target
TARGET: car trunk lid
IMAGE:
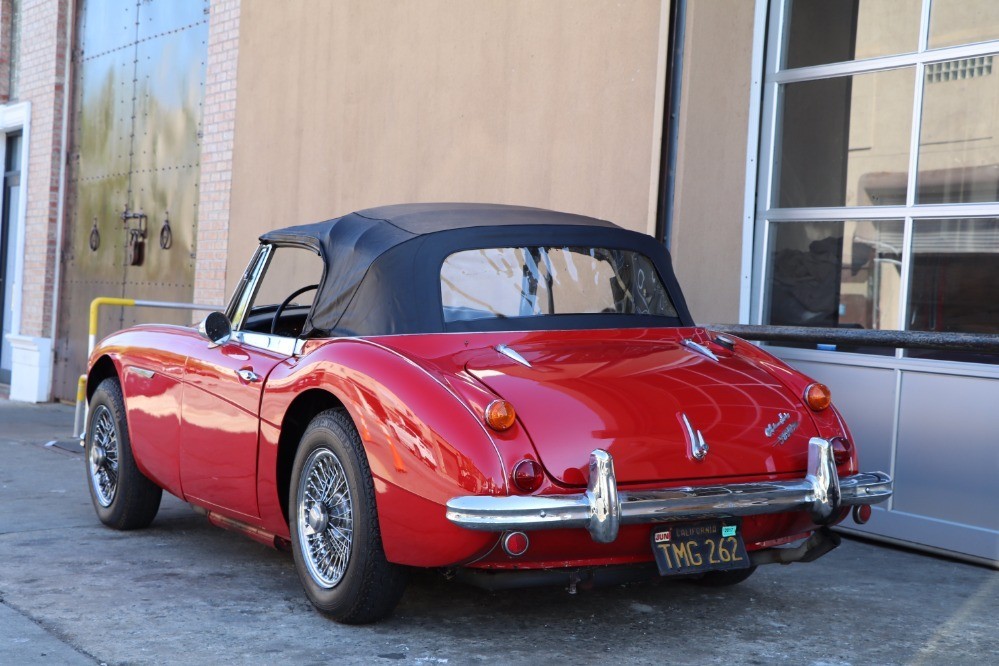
(635, 397)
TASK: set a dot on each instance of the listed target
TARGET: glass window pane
(954, 22)
(835, 274)
(954, 285)
(289, 270)
(845, 141)
(959, 133)
(955, 276)
(539, 281)
(825, 31)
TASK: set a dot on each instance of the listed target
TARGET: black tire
(122, 495)
(364, 587)
(724, 578)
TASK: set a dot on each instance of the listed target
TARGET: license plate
(687, 548)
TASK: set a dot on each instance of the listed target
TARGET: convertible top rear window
(383, 270)
(533, 281)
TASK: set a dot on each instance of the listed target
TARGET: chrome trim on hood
(512, 354)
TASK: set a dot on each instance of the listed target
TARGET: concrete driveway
(182, 591)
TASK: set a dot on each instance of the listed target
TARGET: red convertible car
(512, 395)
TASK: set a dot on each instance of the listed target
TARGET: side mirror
(216, 327)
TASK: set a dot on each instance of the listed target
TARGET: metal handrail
(80, 416)
(984, 343)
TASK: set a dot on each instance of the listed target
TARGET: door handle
(248, 375)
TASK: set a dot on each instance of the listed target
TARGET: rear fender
(424, 446)
(829, 422)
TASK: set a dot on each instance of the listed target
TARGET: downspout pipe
(671, 121)
(61, 205)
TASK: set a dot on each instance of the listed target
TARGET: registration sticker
(728, 530)
(663, 536)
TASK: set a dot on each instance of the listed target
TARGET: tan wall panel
(346, 105)
(711, 168)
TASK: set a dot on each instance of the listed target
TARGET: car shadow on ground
(183, 587)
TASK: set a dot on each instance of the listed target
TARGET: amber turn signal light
(817, 396)
(500, 415)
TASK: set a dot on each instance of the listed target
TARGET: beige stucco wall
(342, 106)
(711, 172)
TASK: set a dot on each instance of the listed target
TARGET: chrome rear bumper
(602, 509)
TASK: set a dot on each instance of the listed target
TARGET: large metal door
(133, 195)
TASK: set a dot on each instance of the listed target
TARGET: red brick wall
(42, 70)
(218, 128)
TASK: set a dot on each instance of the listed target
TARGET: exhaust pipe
(821, 542)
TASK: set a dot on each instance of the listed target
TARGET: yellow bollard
(81, 396)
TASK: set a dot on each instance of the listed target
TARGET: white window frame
(17, 118)
(764, 136)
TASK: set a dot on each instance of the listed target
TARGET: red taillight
(817, 396)
(515, 543)
(500, 415)
(527, 475)
(842, 450)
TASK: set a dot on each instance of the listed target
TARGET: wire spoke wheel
(123, 497)
(325, 518)
(333, 520)
(103, 458)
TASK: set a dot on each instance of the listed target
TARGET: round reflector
(515, 543)
(861, 513)
(500, 415)
(817, 396)
(527, 475)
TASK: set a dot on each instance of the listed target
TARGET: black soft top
(383, 265)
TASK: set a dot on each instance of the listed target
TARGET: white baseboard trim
(31, 368)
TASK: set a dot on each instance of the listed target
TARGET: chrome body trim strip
(142, 372)
(699, 348)
(274, 343)
(512, 354)
(602, 509)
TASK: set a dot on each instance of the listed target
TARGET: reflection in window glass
(959, 133)
(822, 32)
(537, 281)
(845, 140)
(835, 274)
(954, 284)
(954, 22)
(955, 276)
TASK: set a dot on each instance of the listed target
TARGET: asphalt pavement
(182, 591)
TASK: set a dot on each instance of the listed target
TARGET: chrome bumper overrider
(602, 509)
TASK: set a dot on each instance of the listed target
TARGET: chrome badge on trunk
(787, 431)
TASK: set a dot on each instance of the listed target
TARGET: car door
(218, 450)
(224, 383)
